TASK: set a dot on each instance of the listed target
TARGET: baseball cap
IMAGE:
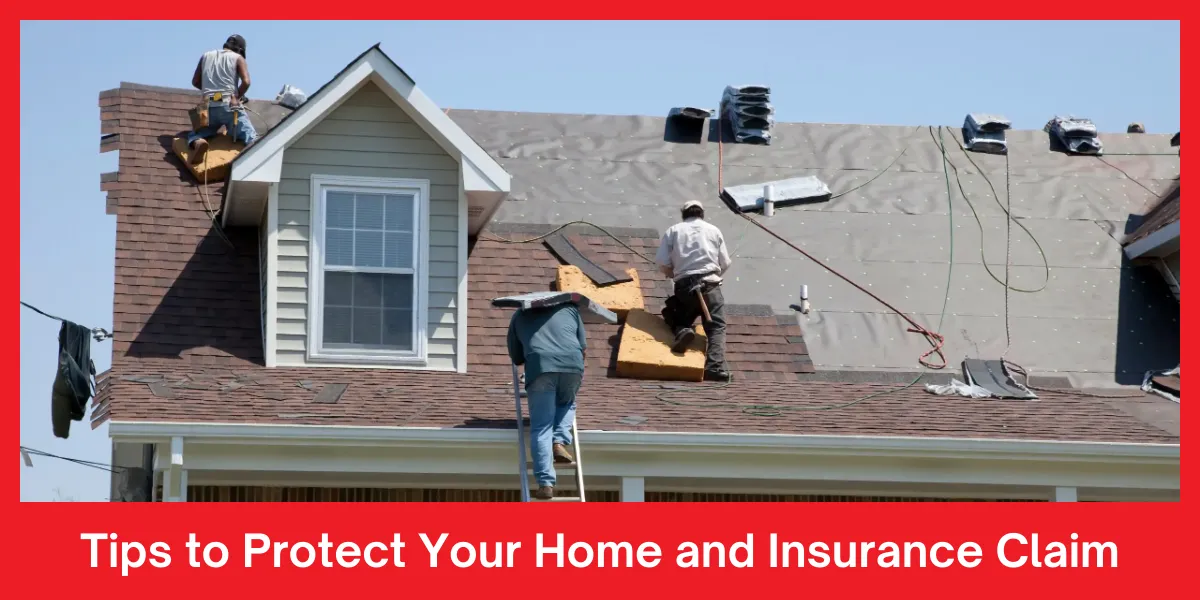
(236, 43)
(691, 203)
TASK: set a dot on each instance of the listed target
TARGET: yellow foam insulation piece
(618, 297)
(645, 350)
(221, 152)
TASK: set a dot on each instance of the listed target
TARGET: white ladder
(526, 466)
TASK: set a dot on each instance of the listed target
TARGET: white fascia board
(1152, 242)
(263, 161)
(267, 154)
(491, 176)
(732, 443)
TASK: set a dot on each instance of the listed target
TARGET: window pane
(368, 326)
(339, 210)
(368, 212)
(338, 288)
(399, 213)
(336, 327)
(398, 291)
(339, 247)
(398, 250)
(368, 290)
(398, 329)
(368, 248)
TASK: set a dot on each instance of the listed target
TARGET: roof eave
(1161, 242)
(734, 443)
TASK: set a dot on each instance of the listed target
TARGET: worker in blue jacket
(551, 343)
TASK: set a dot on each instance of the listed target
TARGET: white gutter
(731, 443)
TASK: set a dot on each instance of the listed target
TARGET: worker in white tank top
(223, 78)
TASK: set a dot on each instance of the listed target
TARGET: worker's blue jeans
(551, 412)
(222, 114)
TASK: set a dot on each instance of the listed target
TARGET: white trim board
(1152, 244)
(272, 330)
(261, 161)
(702, 456)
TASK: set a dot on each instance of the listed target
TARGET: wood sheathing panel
(620, 298)
(645, 351)
(215, 166)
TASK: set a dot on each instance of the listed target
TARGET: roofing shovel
(542, 300)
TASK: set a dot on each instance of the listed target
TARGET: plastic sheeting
(1098, 320)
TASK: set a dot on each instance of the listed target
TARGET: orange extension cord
(936, 340)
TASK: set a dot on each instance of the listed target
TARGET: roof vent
(984, 132)
(749, 112)
(1077, 135)
(1135, 128)
(689, 113)
(1175, 139)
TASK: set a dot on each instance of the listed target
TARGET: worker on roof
(223, 79)
(693, 254)
(550, 342)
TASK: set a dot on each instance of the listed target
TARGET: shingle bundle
(1077, 135)
(749, 112)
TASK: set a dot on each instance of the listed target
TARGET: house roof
(187, 307)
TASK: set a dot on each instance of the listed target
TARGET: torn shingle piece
(330, 393)
(269, 394)
(143, 378)
(796, 190)
(545, 299)
(161, 389)
(992, 376)
(232, 385)
(569, 254)
(308, 385)
(632, 420)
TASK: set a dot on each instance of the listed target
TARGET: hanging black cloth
(73, 384)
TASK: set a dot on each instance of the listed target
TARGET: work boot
(562, 455)
(718, 375)
(683, 339)
(545, 492)
(199, 149)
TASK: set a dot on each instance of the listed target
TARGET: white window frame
(419, 188)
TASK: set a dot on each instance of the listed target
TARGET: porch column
(633, 489)
(175, 476)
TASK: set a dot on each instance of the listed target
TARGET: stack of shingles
(164, 304)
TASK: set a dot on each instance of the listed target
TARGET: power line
(26, 452)
(98, 333)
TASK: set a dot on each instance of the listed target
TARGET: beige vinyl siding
(367, 136)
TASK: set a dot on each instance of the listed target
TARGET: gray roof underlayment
(1098, 320)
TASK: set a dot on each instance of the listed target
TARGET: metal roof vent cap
(1077, 135)
(984, 132)
(1135, 128)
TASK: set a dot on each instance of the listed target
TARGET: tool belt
(199, 114)
(691, 283)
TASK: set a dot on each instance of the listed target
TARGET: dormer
(365, 197)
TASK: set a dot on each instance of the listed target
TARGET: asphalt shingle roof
(186, 313)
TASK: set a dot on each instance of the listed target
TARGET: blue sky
(909, 73)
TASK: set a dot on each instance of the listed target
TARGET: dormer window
(367, 290)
